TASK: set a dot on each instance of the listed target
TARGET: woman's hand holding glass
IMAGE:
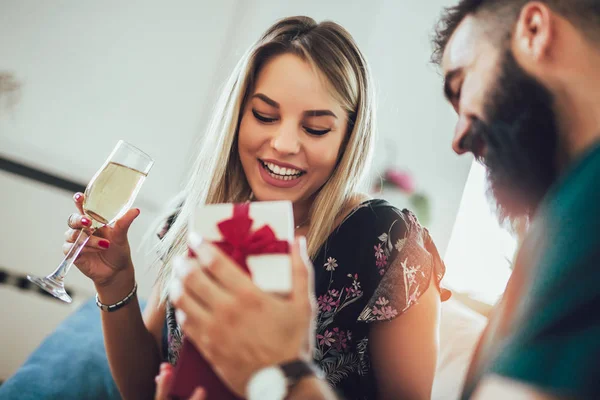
(106, 257)
(102, 222)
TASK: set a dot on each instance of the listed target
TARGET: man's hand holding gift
(237, 327)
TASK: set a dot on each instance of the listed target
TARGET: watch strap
(296, 370)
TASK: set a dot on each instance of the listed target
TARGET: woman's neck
(301, 214)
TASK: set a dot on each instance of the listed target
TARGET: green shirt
(545, 332)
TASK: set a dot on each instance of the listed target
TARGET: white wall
(148, 72)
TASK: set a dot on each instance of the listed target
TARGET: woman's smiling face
(291, 132)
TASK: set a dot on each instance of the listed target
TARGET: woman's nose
(286, 140)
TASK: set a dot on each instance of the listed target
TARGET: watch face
(267, 384)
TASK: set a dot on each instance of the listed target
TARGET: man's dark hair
(503, 14)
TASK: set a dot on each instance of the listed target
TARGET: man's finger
(189, 311)
(222, 268)
(202, 286)
(164, 380)
(199, 394)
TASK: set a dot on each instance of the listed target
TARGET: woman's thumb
(122, 225)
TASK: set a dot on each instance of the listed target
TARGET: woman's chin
(272, 197)
(264, 194)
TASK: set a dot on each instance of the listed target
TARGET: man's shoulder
(565, 236)
(577, 191)
(562, 249)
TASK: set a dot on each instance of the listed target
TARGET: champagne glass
(108, 196)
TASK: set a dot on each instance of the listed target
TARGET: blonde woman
(295, 122)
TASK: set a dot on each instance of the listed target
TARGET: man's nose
(460, 131)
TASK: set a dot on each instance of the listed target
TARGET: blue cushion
(69, 364)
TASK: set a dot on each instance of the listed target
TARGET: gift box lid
(270, 272)
(278, 215)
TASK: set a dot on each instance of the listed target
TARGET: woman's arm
(404, 350)
(131, 346)
(132, 343)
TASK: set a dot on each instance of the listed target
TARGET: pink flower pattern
(354, 290)
(381, 263)
(326, 339)
(378, 251)
(341, 339)
(384, 312)
(381, 254)
(326, 303)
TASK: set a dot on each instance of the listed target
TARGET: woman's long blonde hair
(217, 175)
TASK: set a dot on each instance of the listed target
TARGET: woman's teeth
(282, 173)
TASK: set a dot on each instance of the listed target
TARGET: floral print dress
(373, 267)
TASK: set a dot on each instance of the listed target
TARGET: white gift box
(270, 272)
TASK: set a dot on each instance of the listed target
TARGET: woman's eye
(317, 132)
(263, 118)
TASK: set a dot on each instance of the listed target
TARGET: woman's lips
(284, 178)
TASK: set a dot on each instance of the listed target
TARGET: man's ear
(534, 33)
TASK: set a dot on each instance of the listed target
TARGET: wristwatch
(274, 383)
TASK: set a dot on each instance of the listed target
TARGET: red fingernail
(85, 221)
(77, 196)
(191, 253)
(104, 244)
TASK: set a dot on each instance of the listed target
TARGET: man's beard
(521, 139)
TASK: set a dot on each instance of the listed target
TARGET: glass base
(54, 288)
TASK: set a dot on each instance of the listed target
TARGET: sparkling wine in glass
(108, 196)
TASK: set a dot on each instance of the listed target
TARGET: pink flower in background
(401, 179)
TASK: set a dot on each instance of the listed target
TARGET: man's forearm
(312, 389)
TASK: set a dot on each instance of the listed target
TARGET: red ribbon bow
(239, 241)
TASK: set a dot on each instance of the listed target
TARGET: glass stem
(59, 273)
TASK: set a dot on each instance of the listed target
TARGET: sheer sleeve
(400, 266)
